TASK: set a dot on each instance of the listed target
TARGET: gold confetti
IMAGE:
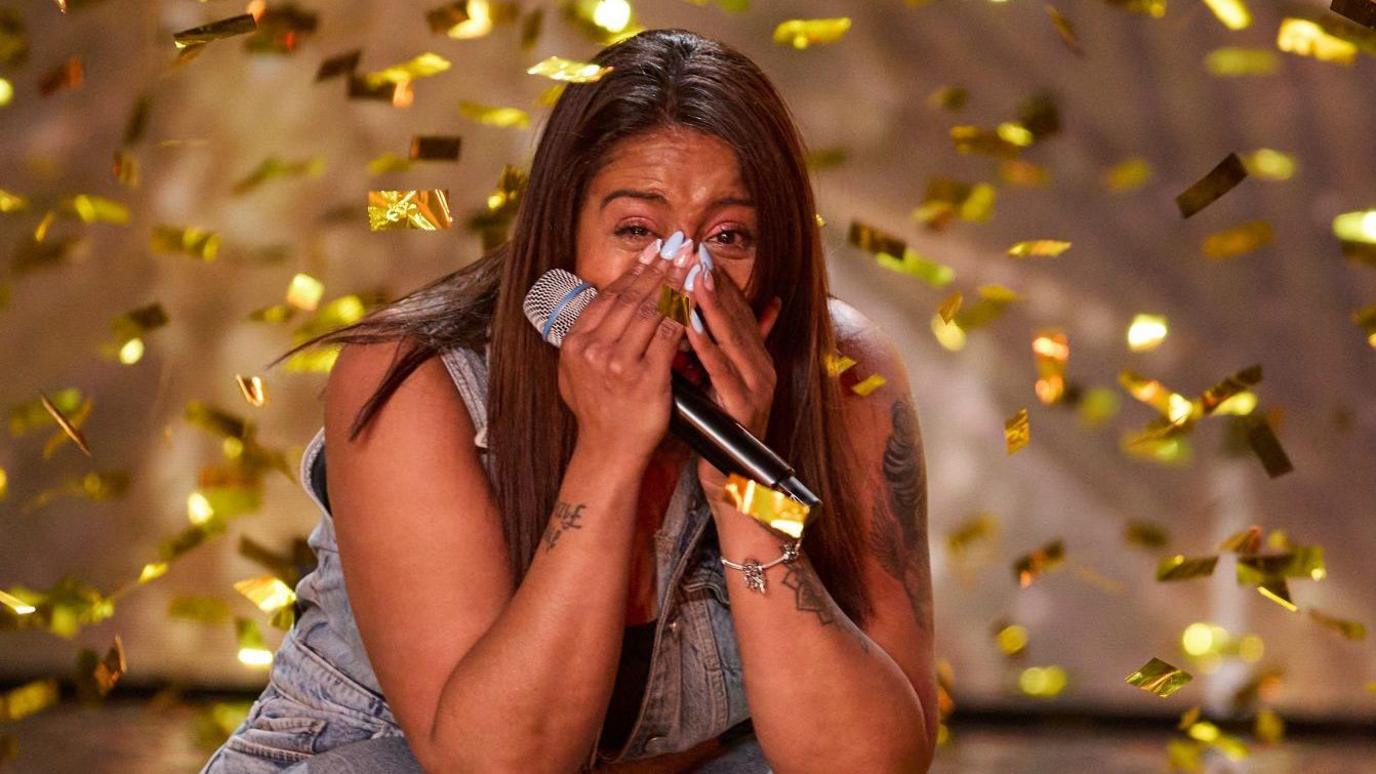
(281, 29)
(1238, 240)
(1159, 678)
(674, 304)
(568, 70)
(1268, 727)
(274, 167)
(1178, 567)
(1097, 406)
(304, 292)
(1017, 431)
(253, 652)
(530, 28)
(1365, 318)
(947, 199)
(1278, 591)
(110, 669)
(1269, 164)
(801, 33)
(1232, 62)
(1147, 534)
(187, 240)
(68, 428)
(28, 699)
(468, 19)
(1042, 682)
(1361, 11)
(1146, 332)
(218, 30)
(1220, 180)
(949, 98)
(894, 254)
(769, 507)
(66, 76)
(1011, 638)
(1267, 447)
(95, 209)
(427, 210)
(1356, 233)
(985, 142)
(253, 390)
(1233, 13)
(12, 202)
(1351, 630)
(1066, 30)
(209, 610)
(272, 596)
(1128, 175)
(949, 307)
(422, 66)
(1247, 541)
(389, 162)
(1038, 247)
(602, 21)
(1306, 38)
(837, 363)
(126, 345)
(1030, 567)
(126, 169)
(978, 529)
(491, 115)
(341, 64)
(869, 384)
(1051, 350)
(19, 606)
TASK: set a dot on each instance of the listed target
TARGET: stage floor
(130, 736)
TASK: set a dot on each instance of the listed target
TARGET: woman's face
(653, 184)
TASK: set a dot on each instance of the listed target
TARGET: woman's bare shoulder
(857, 335)
(360, 369)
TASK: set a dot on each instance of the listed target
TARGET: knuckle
(621, 297)
(647, 309)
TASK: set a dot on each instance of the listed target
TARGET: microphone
(553, 304)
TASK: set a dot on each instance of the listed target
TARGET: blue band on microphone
(554, 313)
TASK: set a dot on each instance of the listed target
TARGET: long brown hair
(666, 77)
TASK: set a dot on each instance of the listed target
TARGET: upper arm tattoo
(566, 517)
(898, 531)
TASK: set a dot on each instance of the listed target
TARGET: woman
(534, 566)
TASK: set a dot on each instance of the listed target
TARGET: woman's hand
(739, 365)
(614, 364)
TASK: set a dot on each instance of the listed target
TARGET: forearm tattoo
(898, 537)
(809, 595)
(566, 517)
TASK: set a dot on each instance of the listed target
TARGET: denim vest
(322, 691)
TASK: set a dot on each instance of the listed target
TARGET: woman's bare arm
(480, 678)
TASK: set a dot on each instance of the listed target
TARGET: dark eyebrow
(651, 196)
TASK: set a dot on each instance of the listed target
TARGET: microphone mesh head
(560, 294)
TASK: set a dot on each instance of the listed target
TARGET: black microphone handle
(728, 445)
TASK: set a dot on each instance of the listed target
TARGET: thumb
(770, 316)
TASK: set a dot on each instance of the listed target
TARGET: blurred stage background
(1142, 115)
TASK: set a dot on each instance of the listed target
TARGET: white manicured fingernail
(684, 252)
(695, 321)
(648, 254)
(688, 281)
(671, 245)
(704, 257)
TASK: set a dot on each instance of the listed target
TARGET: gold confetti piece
(187, 240)
(1298, 562)
(1051, 350)
(1207, 732)
(674, 305)
(837, 363)
(1022, 172)
(96, 209)
(14, 43)
(281, 30)
(550, 96)
(152, 571)
(253, 390)
(28, 699)
(274, 167)
(69, 429)
(873, 240)
(341, 64)
(1153, 8)
(1247, 541)
(68, 75)
(1220, 180)
(869, 384)
(1066, 30)
(1268, 727)
(947, 199)
(1269, 164)
(1361, 11)
(887, 250)
(210, 610)
(1146, 534)
(951, 336)
(1351, 630)
(1097, 406)
(218, 30)
(801, 33)
(1017, 431)
(1042, 682)
(1267, 447)
(33, 414)
(491, 115)
(268, 592)
(769, 507)
(1178, 567)
(422, 66)
(126, 169)
(1278, 591)
(978, 529)
(12, 202)
(110, 669)
(1030, 567)
(568, 70)
(1188, 718)
(602, 21)
(1233, 13)
(1358, 226)
(1365, 318)
(1010, 638)
(1240, 62)
(973, 139)
(1146, 332)
(19, 606)
(1128, 175)
(389, 162)
(426, 210)
(949, 307)
(1038, 247)
(435, 147)
(1159, 678)
(949, 98)
(304, 292)
(1238, 240)
(253, 652)
(825, 158)
(531, 27)
(1306, 38)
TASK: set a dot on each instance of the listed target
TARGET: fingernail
(667, 251)
(695, 320)
(707, 280)
(688, 281)
(684, 252)
(648, 254)
(705, 257)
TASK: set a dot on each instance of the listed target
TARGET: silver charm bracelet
(754, 571)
